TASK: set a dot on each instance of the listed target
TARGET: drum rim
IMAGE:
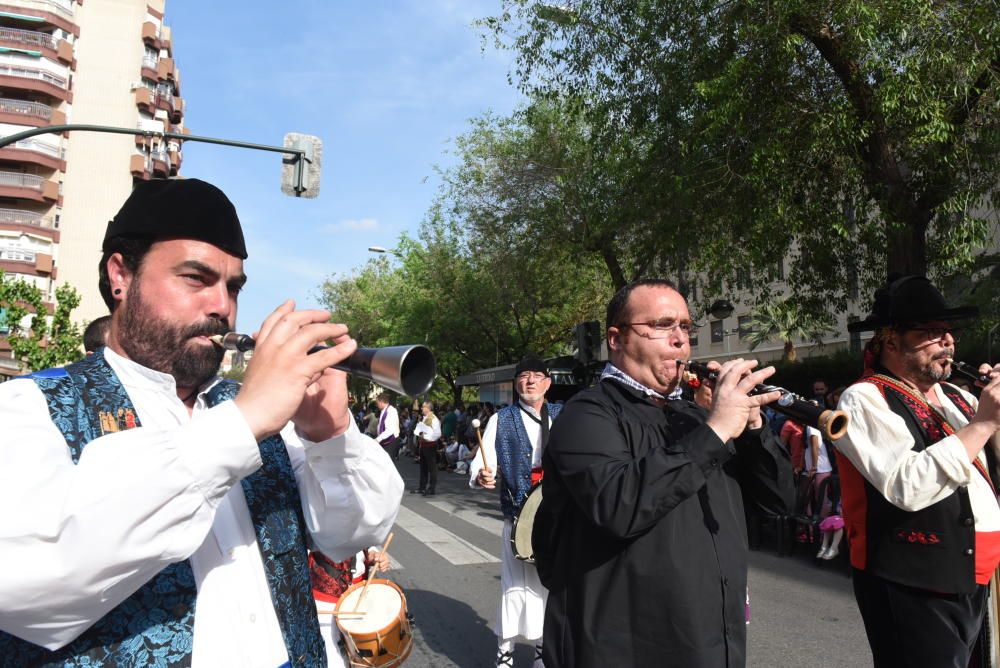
(372, 635)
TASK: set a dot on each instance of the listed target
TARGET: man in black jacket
(641, 537)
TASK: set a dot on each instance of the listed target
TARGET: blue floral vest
(514, 457)
(153, 627)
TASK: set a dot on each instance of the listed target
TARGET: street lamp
(380, 249)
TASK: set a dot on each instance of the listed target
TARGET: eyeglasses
(935, 334)
(664, 326)
(534, 376)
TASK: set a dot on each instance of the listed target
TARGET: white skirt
(522, 596)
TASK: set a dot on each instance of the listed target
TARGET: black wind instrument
(831, 423)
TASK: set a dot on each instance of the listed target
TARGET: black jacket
(640, 537)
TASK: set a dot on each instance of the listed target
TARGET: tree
(854, 137)
(788, 320)
(41, 344)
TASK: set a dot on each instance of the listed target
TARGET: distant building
(103, 62)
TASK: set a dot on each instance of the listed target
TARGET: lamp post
(720, 310)
(380, 249)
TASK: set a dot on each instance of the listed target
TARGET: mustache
(207, 328)
(947, 354)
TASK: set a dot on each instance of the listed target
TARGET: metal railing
(40, 147)
(22, 217)
(27, 37)
(36, 109)
(19, 180)
(32, 73)
(165, 93)
(150, 61)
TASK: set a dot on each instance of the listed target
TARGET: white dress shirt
(534, 430)
(879, 445)
(391, 425)
(77, 540)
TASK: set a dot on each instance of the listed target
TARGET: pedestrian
(96, 334)
(640, 536)
(513, 443)
(428, 434)
(918, 483)
(387, 431)
(154, 511)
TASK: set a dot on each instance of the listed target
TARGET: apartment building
(99, 62)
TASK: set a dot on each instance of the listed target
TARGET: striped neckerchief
(611, 371)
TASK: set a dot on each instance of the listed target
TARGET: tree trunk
(789, 354)
(906, 251)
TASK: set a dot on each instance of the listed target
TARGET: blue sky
(386, 85)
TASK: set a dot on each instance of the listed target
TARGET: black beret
(179, 209)
(531, 363)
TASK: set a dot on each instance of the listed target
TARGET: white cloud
(353, 225)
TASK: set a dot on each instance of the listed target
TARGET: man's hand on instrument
(283, 382)
(381, 559)
(486, 478)
(988, 412)
(733, 410)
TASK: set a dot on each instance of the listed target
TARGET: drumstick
(364, 590)
(479, 437)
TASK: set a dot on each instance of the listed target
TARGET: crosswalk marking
(453, 548)
(475, 517)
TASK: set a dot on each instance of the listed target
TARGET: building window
(743, 326)
(718, 335)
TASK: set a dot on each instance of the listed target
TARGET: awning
(22, 17)
(7, 49)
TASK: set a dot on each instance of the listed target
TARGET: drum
(381, 636)
(520, 534)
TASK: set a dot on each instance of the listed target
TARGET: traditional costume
(513, 442)
(145, 534)
(922, 519)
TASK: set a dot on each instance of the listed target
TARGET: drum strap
(542, 421)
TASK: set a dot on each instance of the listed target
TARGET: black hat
(910, 299)
(531, 363)
(179, 209)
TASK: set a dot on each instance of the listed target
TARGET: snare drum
(520, 534)
(381, 636)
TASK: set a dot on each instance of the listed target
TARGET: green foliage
(852, 137)
(40, 344)
(788, 320)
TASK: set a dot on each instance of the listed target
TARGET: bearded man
(918, 478)
(514, 440)
(157, 515)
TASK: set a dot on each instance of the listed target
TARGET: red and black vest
(932, 548)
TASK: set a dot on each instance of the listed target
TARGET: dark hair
(617, 307)
(96, 334)
(384, 397)
(132, 252)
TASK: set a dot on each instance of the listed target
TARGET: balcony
(165, 69)
(161, 162)
(58, 13)
(28, 186)
(137, 165)
(34, 79)
(145, 99)
(49, 46)
(151, 34)
(164, 97)
(149, 66)
(18, 261)
(37, 152)
(28, 221)
(24, 112)
(177, 110)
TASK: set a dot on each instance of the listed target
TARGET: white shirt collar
(134, 374)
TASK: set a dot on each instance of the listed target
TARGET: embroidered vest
(153, 627)
(932, 548)
(514, 457)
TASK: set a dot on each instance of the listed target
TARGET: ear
(614, 337)
(891, 341)
(119, 277)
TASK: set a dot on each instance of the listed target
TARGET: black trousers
(428, 469)
(391, 446)
(915, 628)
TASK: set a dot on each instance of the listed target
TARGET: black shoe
(417, 490)
(429, 492)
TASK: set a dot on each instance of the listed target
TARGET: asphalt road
(446, 553)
